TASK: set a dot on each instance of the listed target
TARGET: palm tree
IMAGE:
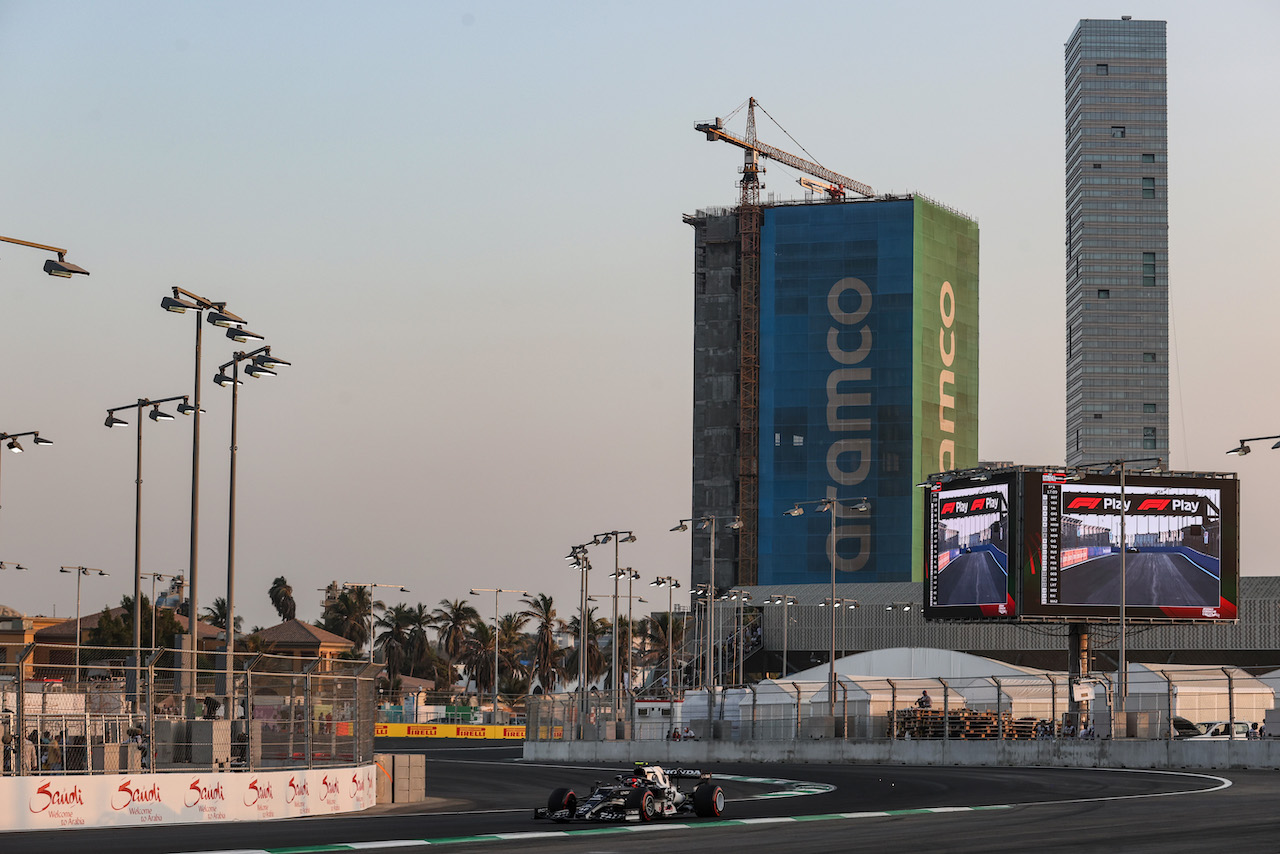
(281, 595)
(451, 621)
(661, 633)
(216, 615)
(396, 623)
(476, 655)
(548, 658)
(348, 614)
(596, 628)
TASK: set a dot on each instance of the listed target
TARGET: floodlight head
(41, 441)
(1242, 450)
(186, 408)
(239, 333)
(794, 511)
(63, 269)
(224, 380)
(889, 607)
(629, 538)
(223, 318)
(14, 446)
(112, 421)
(600, 541)
(177, 305)
(675, 584)
(267, 360)
(257, 371)
(156, 415)
(706, 523)
(735, 524)
(823, 603)
(862, 506)
(906, 606)
(681, 526)
(1275, 446)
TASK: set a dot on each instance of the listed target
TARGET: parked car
(1220, 731)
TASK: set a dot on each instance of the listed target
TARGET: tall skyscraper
(867, 323)
(1117, 242)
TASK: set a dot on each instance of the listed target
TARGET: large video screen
(968, 570)
(1171, 543)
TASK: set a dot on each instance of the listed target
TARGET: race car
(641, 794)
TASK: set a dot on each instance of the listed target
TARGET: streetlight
(786, 602)
(710, 523)
(578, 559)
(182, 301)
(1244, 448)
(17, 567)
(599, 540)
(848, 604)
(1122, 465)
(261, 361)
(155, 609)
(347, 585)
(829, 505)
(742, 597)
(671, 584)
(157, 415)
(62, 268)
(80, 572)
(495, 591)
(15, 447)
(632, 576)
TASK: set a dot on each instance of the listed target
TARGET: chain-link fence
(87, 710)
(1162, 703)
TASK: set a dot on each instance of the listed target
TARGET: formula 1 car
(642, 794)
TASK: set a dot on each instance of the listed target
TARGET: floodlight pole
(495, 591)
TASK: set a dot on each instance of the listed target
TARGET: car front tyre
(708, 800)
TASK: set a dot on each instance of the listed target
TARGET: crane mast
(749, 215)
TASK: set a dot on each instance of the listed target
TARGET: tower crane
(835, 186)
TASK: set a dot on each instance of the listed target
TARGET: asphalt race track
(973, 579)
(1151, 578)
(487, 791)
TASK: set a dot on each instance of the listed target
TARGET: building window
(1148, 188)
(1148, 407)
(1148, 357)
(1097, 415)
(1117, 132)
(1104, 293)
(1148, 438)
(1097, 166)
(1101, 69)
(1148, 269)
(1148, 281)
(1148, 158)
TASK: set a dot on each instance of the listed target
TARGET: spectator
(925, 701)
(1253, 734)
(687, 734)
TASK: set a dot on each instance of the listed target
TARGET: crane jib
(716, 132)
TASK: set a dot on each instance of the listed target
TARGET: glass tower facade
(1117, 242)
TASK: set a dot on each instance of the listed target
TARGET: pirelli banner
(123, 800)
(478, 731)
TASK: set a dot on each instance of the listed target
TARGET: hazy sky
(462, 222)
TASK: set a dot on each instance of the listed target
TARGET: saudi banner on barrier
(118, 800)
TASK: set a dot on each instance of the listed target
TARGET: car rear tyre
(562, 799)
(708, 800)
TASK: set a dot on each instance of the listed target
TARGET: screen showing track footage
(969, 551)
(1175, 555)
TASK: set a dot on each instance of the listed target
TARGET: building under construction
(835, 366)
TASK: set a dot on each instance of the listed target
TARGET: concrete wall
(1067, 753)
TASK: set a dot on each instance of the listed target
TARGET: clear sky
(462, 222)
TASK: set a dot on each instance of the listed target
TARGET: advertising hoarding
(968, 571)
(1178, 558)
(868, 377)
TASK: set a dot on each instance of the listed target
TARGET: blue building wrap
(837, 319)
